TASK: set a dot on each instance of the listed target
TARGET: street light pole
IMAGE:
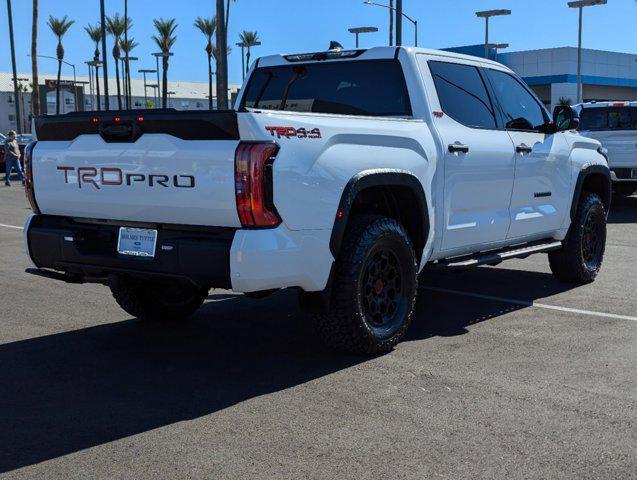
(401, 15)
(104, 55)
(144, 72)
(18, 118)
(359, 30)
(90, 84)
(486, 15)
(580, 5)
(498, 46)
(399, 22)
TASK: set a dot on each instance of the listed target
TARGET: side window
(520, 109)
(463, 95)
(593, 118)
(619, 119)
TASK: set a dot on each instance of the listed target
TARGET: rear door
(479, 158)
(542, 175)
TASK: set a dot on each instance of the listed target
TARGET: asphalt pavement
(506, 373)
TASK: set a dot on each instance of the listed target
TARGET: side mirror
(565, 118)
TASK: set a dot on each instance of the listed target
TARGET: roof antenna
(335, 46)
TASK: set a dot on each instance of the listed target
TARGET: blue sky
(287, 26)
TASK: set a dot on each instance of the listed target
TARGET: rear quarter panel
(311, 174)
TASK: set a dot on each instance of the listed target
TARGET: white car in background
(614, 124)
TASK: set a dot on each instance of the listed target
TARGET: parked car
(22, 145)
(343, 174)
(614, 124)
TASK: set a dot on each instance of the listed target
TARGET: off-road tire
(355, 324)
(163, 302)
(581, 257)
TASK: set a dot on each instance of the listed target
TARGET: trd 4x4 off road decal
(291, 132)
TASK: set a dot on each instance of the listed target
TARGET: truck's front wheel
(156, 301)
(374, 288)
(580, 259)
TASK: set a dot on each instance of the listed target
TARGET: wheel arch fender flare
(586, 172)
(377, 178)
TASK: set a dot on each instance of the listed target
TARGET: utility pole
(104, 55)
(399, 22)
(16, 99)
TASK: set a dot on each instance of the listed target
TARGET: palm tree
(95, 32)
(249, 39)
(35, 93)
(115, 26)
(165, 39)
(59, 27)
(128, 45)
(207, 26)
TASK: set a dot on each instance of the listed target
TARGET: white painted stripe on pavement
(11, 226)
(531, 304)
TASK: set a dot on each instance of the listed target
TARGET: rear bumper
(89, 251)
(241, 260)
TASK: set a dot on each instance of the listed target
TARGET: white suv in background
(614, 124)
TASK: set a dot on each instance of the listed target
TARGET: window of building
(10, 98)
(346, 88)
(185, 104)
(520, 108)
(11, 118)
(199, 105)
(463, 94)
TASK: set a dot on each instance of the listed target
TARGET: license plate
(634, 173)
(138, 242)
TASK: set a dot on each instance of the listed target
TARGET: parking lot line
(530, 304)
(11, 226)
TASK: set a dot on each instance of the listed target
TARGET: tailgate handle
(124, 132)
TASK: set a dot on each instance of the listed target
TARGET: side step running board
(496, 256)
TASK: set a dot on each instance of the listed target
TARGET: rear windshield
(608, 118)
(372, 88)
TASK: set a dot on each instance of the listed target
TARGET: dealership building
(551, 72)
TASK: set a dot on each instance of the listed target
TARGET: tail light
(253, 184)
(28, 176)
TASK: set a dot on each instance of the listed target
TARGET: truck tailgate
(151, 178)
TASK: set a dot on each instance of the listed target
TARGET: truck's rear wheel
(580, 260)
(157, 301)
(374, 288)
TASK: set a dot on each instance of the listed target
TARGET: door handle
(458, 148)
(522, 149)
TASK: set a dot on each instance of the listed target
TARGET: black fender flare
(374, 178)
(579, 185)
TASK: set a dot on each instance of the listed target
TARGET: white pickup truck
(343, 174)
(614, 124)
